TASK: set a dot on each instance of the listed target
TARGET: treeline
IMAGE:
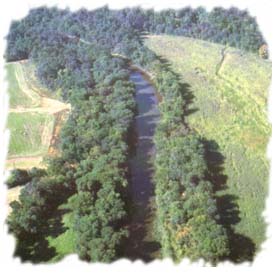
(187, 219)
(114, 29)
(95, 139)
(91, 171)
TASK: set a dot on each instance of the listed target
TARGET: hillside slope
(228, 109)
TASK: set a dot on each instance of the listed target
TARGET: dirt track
(25, 159)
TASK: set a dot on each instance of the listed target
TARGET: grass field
(29, 133)
(18, 98)
(230, 90)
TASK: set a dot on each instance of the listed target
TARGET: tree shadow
(140, 245)
(186, 90)
(241, 247)
(35, 248)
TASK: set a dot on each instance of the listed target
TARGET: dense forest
(75, 55)
(115, 29)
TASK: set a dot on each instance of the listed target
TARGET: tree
(18, 177)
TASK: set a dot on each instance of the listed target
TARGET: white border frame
(264, 11)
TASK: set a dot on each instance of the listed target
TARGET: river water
(141, 244)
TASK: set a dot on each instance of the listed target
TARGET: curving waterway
(141, 244)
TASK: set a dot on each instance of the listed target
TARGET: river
(141, 244)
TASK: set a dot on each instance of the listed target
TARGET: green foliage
(94, 223)
(21, 177)
(24, 34)
(114, 31)
(27, 216)
(18, 177)
(100, 122)
(187, 220)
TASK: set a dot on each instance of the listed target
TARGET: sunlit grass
(28, 136)
(17, 98)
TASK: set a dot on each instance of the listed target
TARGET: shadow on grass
(241, 248)
(35, 247)
(186, 91)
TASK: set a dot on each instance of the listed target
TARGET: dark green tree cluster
(24, 35)
(43, 192)
(115, 29)
(95, 139)
(187, 220)
(20, 177)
